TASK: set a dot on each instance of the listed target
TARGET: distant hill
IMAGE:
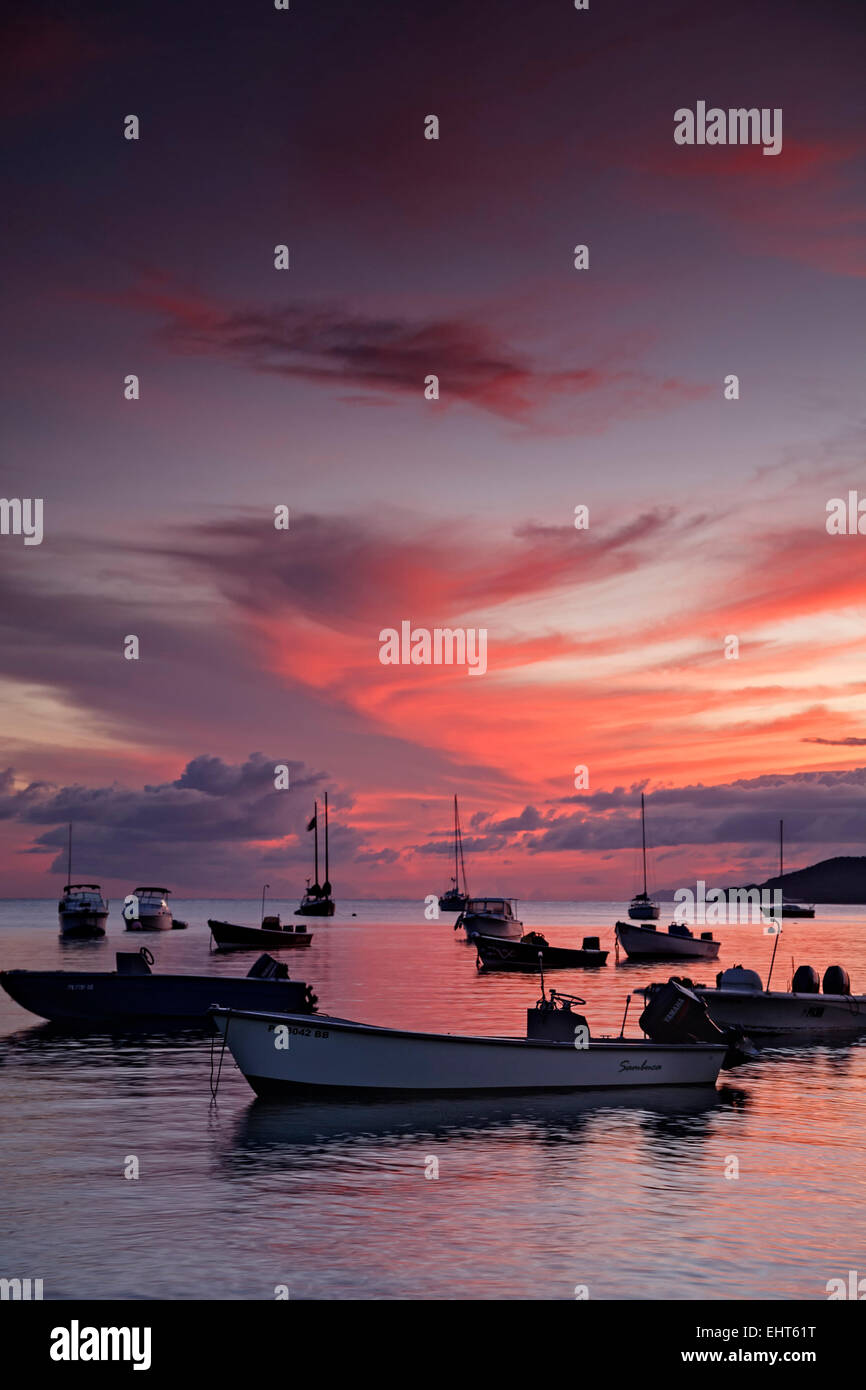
(839, 880)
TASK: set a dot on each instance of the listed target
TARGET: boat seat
(131, 963)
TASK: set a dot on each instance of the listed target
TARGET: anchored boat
(153, 912)
(82, 911)
(133, 995)
(317, 901)
(642, 908)
(489, 917)
(454, 900)
(281, 1054)
(272, 935)
(739, 1000)
(648, 943)
(498, 953)
(789, 908)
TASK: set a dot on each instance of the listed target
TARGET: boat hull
(78, 926)
(645, 943)
(151, 921)
(644, 912)
(98, 997)
(323, 908)
(499, 953)
(477, 924)
(229, 937)
(335, 1055)
(783, 1015)
(453, 902)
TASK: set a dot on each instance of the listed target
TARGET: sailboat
(642, 908)
(317, 900)
(454, 900)
(82, 910)
(789, 909)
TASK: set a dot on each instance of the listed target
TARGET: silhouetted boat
(642, 942)
(317, 901)
(270, 936)
(557, 1054)
(454, 900)
(498, 953)
(738, 1000)
(82, 911)
(789, 908)
(489, 917)
(642, 908)
(134, 995)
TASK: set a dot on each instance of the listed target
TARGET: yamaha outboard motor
(675, 1015)
(836, 980)
(805, 980)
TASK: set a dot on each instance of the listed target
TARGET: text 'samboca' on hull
(134, 995)
(283, 1054)
(500, 953)
(648, 943)
(739, 1000)
(489, 917)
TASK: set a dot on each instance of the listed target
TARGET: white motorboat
(147, 910)
(739, 1000)
(489, 917)
(648, 943)
(82, 911)
(287, 1053)
(642, 908)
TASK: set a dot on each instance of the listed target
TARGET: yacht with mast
(642, 908)
(317, 900)
(789, 909)
(82, 910)
(455, 900)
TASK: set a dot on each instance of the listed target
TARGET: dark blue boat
(133, 995)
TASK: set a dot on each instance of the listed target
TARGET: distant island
(839, 880)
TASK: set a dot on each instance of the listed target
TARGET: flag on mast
(312, 824)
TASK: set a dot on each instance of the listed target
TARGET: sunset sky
(259, 387)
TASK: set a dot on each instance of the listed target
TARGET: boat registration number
(300, 1032)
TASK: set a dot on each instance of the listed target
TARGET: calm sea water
(628, 1197)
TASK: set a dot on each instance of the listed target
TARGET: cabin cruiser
(147, 910)
(82, 911)
(556, 1053)
(648, 943)
(807, 1009)
(489, 917)
(134, 995)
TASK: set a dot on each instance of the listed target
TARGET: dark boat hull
(497, 953)
(66, 996)
(229, 937)
(322, 908)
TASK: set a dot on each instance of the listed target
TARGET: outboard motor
(836, 980)
(675, 1015)
(266, 968)
(805, 980)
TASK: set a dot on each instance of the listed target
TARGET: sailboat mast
(69, 856)
(781, 848)
(316, 834)
(326, 840)
(456, 868)
(462, 860)
(643, 839)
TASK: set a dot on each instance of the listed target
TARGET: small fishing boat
(789, 907)
(809, 1009)
(317, 901)
(337, 1055)
(147, 910)
(489, 917)
(272, 935)
(82, 911)
(454, 900)
(133, 995)
(498, 953)
(642, 908)
(648, 943)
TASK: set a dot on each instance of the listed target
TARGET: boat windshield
(83, 897)
(499, 907)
